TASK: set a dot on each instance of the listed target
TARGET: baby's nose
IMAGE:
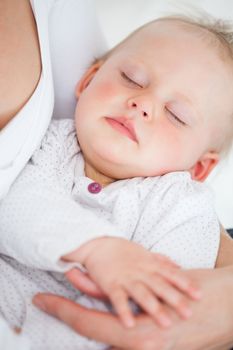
(142, 106)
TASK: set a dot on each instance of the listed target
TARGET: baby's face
(155, 106)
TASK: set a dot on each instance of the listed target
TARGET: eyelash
(176, 118)
(129, 80)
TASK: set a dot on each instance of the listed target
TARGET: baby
(123, 184)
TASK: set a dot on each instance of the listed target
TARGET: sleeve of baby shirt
(39, 219)
(180, 222)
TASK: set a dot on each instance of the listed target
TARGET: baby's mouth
(124, 126)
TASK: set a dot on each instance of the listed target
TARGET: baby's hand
(124, 269)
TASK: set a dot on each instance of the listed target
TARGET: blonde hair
(216, 32)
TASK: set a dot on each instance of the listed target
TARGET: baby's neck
(97, 176)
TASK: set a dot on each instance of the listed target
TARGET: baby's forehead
(174, 28)
(177, 35)
(191, 46)
(207, 35)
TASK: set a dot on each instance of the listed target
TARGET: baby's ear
(87, 77)
(204, 166)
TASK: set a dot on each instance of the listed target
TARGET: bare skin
(225, 256)
(202, 330)
(20, 64)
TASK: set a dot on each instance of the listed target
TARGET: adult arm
(225, 253)
(202, 330)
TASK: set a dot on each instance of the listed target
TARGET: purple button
(94, 187)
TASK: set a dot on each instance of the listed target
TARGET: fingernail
(38, 303)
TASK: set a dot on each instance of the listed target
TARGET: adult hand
(104, 327)
(124, 269)
(210, 327)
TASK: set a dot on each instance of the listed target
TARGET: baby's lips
(128, 123)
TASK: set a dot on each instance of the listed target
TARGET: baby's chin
(115, 160)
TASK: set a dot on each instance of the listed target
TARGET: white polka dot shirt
(50, 210)
(53, 208)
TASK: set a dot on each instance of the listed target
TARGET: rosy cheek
(106, 90)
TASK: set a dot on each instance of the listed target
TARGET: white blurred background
(119, 17)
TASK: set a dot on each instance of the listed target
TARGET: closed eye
(129, 80)
(176, 119)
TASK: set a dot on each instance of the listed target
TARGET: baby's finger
(147, 300)
(164, 259)
(120, 302)
(170, 295)
(84, 283)
(180, 280)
